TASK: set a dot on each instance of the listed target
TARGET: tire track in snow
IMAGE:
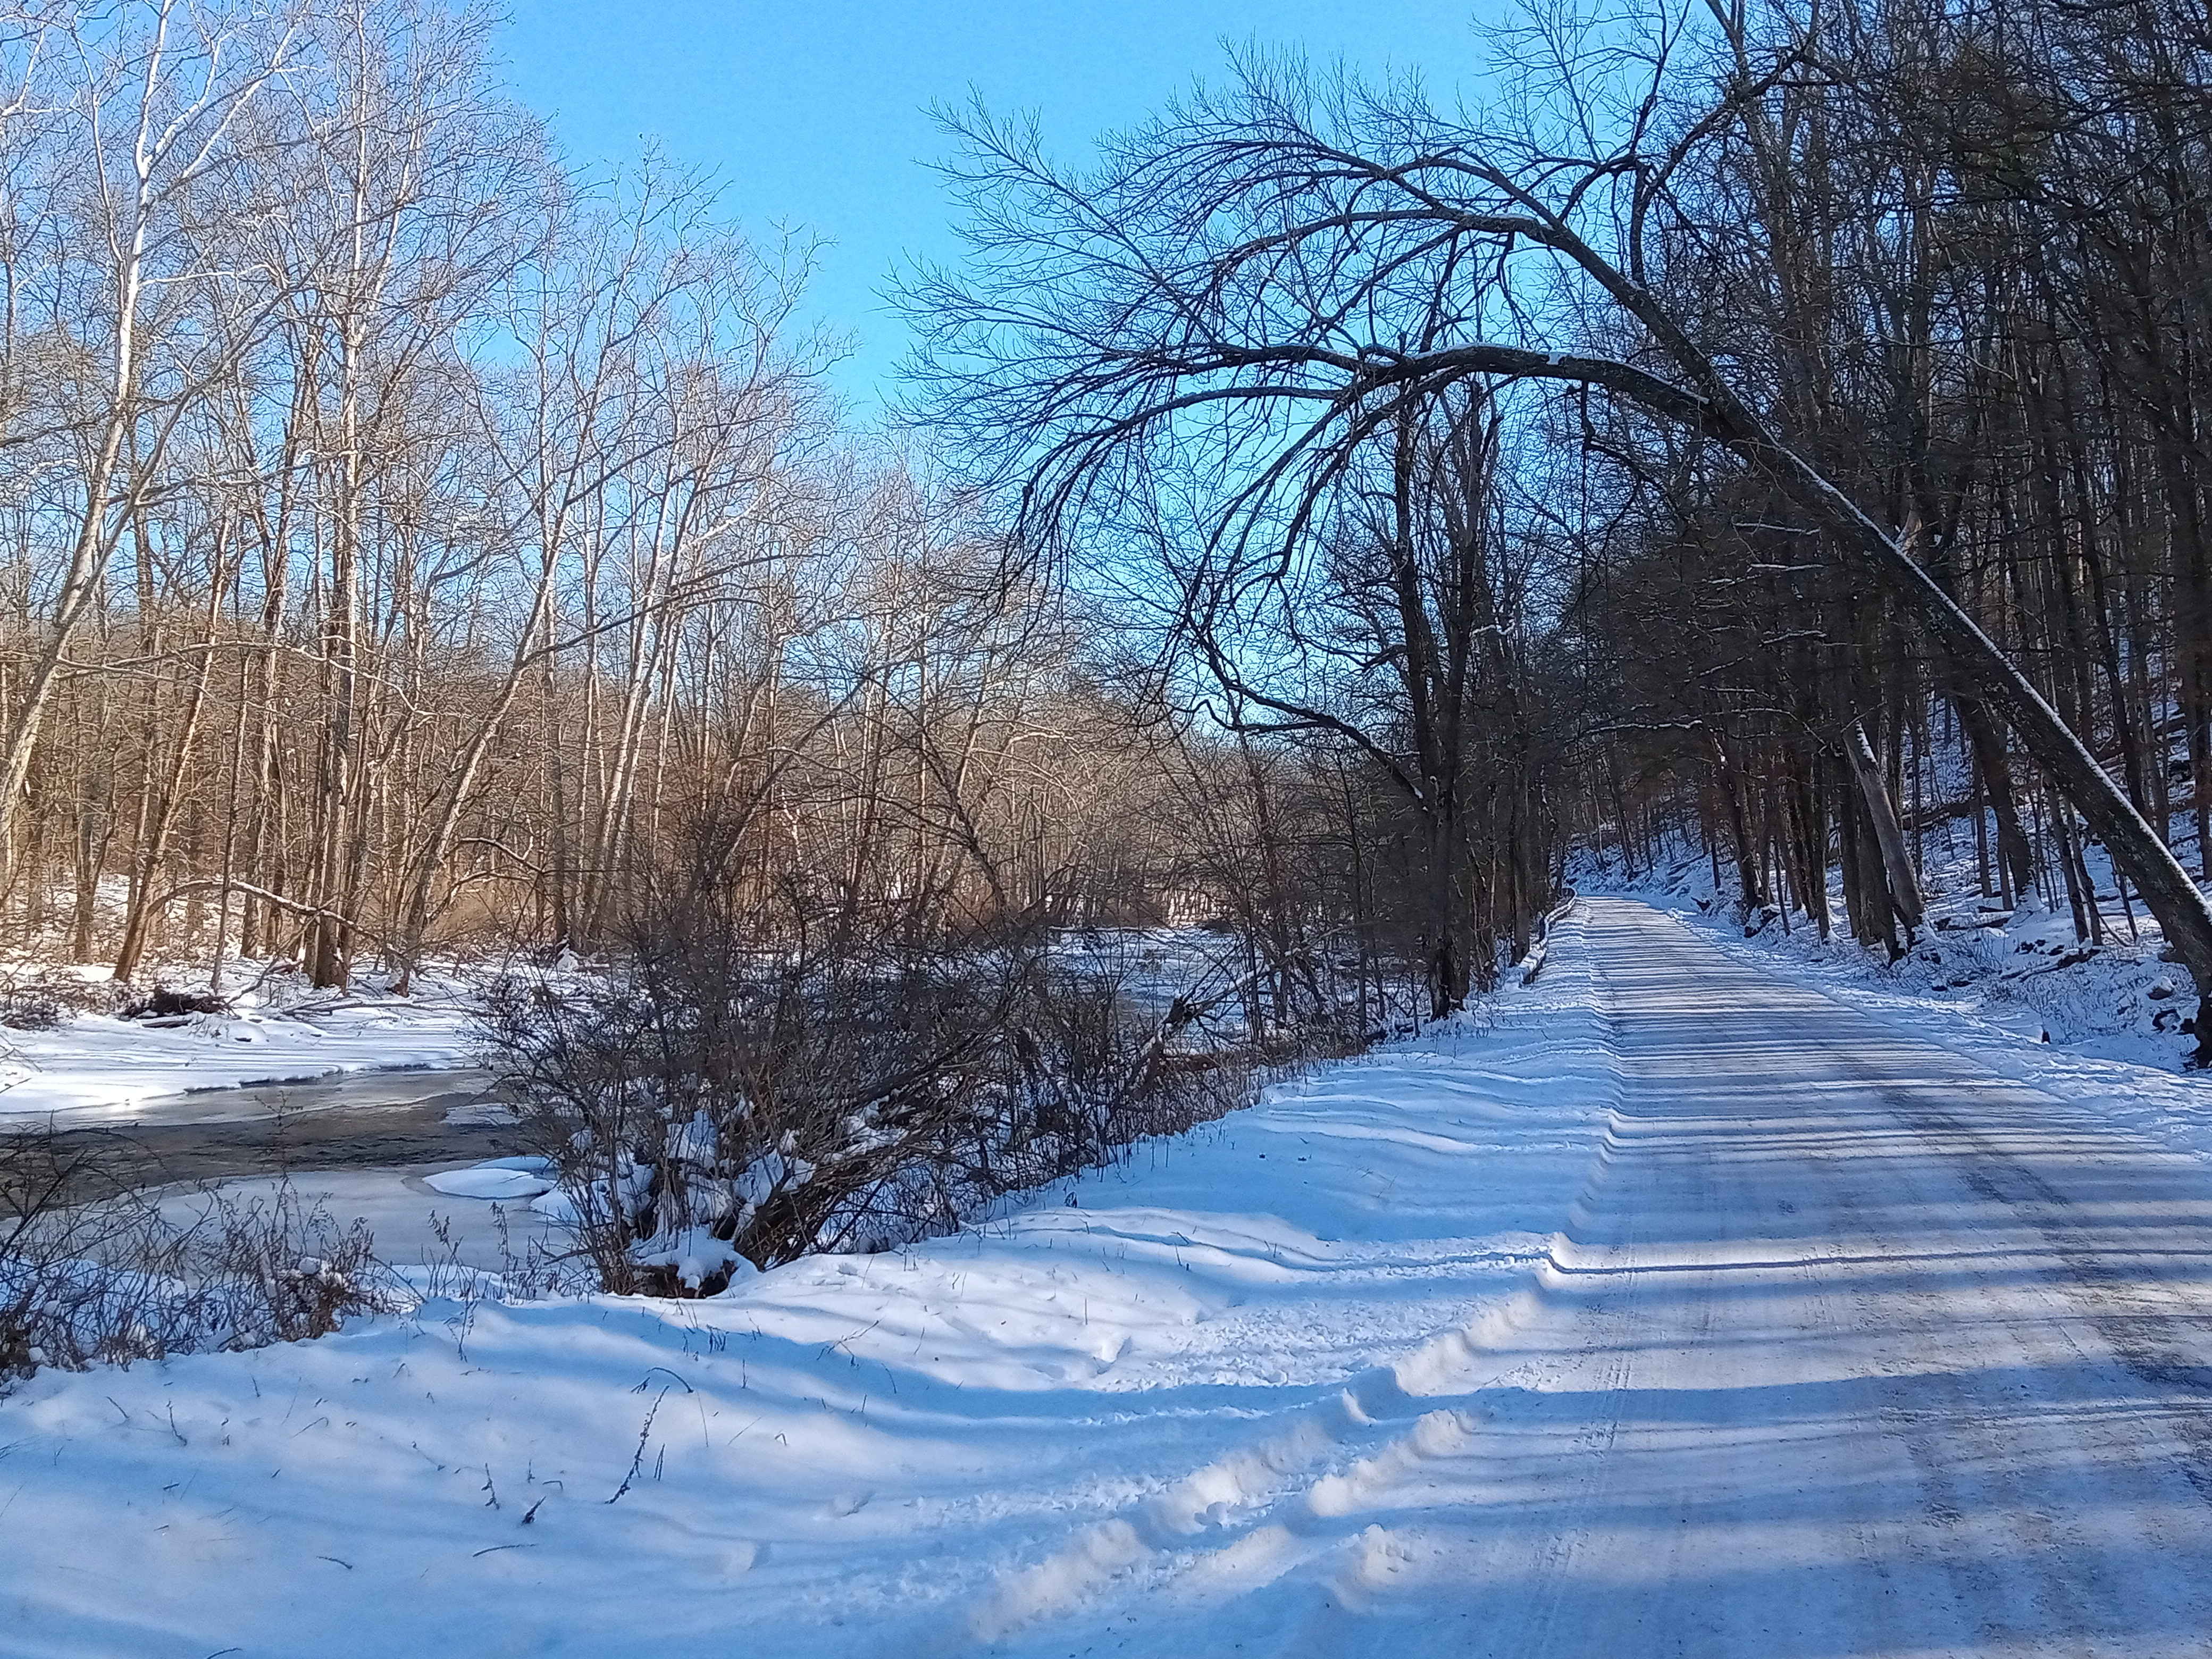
(1284, 1497)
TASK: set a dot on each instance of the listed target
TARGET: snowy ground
(1679, 1311)
(918, 1452)
(97, 1068)
(2015, 992)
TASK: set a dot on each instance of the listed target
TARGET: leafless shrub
(31, 1010)
(93, 1272)
(86, 1269)
(717, 1102)
(41, 1001)
(281, 1269)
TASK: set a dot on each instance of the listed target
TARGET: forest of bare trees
(1972, 250)
(1328, 513)
(1820, 385)
(414, 544)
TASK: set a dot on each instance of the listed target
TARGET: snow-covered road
(1680, 1311)
(1849, 1350)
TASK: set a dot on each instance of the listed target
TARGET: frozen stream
(359, 1142)
(356, 1120)
(332, 1105)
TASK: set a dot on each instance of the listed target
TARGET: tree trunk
(2017, 859)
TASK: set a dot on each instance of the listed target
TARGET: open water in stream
(357, 1120)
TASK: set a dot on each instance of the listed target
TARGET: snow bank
(943, 1449)
(97, 1066)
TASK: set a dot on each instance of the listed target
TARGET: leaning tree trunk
(1889, 836)
(2138, 851)
(1978, 666)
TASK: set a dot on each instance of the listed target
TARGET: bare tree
(157, 124)
(1257, 272)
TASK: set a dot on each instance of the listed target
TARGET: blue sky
(813, 116)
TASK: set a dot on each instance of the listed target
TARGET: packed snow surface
(1673, 1311)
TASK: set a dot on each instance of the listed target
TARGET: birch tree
(154, 104)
